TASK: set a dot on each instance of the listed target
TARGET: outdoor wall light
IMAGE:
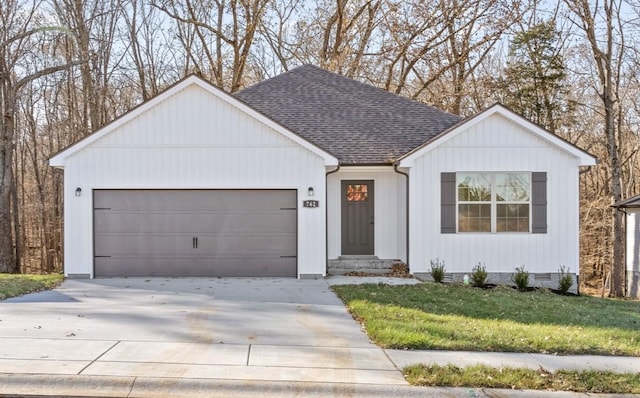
(78, 191)
(310, 191)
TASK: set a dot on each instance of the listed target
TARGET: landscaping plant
(479, 275)
(437, 270)
(521, 278)
(566, 280)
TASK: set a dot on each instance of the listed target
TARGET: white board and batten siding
(192, 139)
(495, 144)
(633, 251)
(389, 210)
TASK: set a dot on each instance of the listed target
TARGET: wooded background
(68, 67)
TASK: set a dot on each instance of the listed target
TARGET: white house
(310, 170)
(631, 209)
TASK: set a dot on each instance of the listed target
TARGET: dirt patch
(398, 270)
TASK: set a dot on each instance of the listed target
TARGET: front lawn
(12, 285)
(454, 317)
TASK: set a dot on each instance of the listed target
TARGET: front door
(357, 217)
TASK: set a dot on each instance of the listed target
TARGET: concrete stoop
(369, 264)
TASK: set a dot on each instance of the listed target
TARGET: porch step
(368, 264)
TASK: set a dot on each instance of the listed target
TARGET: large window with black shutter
(493, 202)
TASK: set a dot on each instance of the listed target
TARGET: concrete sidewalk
(222, 337)
(102, 368)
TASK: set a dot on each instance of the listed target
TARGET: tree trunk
(607, 63)
(7, 251)
(617, 228)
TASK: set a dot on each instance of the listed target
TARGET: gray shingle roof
(356, 122)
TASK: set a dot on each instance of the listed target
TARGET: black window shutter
(539, 203)
(448, 203)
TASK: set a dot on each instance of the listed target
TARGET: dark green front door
(357, 217)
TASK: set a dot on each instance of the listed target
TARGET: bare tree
(432, 49)
(601, 24)
(223, 35)
(152, 49)
(24, 57)
(280, 38)
(92, 27)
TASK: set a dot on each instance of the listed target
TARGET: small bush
(437, 270)
(479, 276)
(566, 280)
(521, 278)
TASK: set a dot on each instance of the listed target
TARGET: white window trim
(494, 203)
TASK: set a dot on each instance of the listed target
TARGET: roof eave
(632, 202)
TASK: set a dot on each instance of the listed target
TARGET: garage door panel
(129, 244)
(181, 266)
(253, 244)
(113, 221)
(195, 233)
(194, 200)
(118, 266)
(244, 222)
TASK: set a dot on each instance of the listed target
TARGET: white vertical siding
(495, 144)
(633, 252)
(633, 240)
(389, 209)
(193, 140)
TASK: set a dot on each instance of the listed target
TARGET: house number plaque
(310, 203)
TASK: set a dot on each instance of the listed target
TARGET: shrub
(566, 280)
(437, 270)
(479, 276)
(521, 278)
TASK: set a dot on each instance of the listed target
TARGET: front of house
(308, 170)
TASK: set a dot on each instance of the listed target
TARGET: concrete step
(368, 264)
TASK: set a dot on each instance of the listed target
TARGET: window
(493, 202)
(474, 202)
(357, 193)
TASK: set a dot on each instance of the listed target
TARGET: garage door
(195, 233)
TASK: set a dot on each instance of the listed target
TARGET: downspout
(395, 168)
(326, 218)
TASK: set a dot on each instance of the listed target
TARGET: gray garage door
(195, 233)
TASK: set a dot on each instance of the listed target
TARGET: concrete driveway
(245, 328)
(189, 310)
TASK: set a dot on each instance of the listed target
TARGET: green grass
(12, 285)
(481, 376)
(454, 317)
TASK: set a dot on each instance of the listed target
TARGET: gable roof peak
(585, 158)
(59, 159)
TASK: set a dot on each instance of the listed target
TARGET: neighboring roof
(630, 202)
(357, 122)
(58, 160)
(585, 158)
